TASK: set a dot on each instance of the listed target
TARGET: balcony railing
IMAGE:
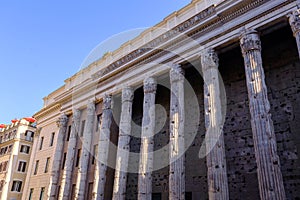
(7, 139)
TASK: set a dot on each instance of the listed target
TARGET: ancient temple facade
(203, 106)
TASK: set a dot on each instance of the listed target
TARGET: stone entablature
(212, 25)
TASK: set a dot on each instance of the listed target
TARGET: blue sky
(42, 43)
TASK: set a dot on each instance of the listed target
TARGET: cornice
(47, 110)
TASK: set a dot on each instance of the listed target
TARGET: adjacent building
(203, 106)
(15, 148)
(43, 151)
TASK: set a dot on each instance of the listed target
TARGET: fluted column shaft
(66, 180)
(103, 150)
(294, 19)
(177, 169)
(85, 153)
(119, 191)
(214, 139)
(147, 142)
(55, 171)
(268, 165)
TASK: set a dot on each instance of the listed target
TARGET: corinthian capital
(250, 41)
(150, 85)
(107, 102)
(176, 73)
(91, 106)
(127, 94)
(62, 121)
(294, 19)
(76, 115)
(209, 59)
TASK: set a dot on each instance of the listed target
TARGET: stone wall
(283, 80)
(241, 164)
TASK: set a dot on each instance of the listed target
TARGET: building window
(1, 185)
(95, 153)
(16, 186)
(42, 193)
(52, 139)
(22, 166)
(69, 133)
(29, 136)
(4, 166)
(30, 194)
(73, 191)
(9, 148)
(156, 196)
(78, 157)
(47, 165)
(98, 125)
(82, 128)
(3, 150)
(36, 167)
(41, 143)
(90, 191)
(64, 161)
(188, 195)
(25, 149)
(57, 192)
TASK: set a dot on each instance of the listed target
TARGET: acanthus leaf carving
(150, 85)
(127, 94)
(91, 106)
(250, 41)
(176, 73)
(294, 19)
(107, 102)
(209, 59)
(62, 121)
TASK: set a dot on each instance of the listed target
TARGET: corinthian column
(177, 170)
(66, 180)
(85, 153)
(268, 165)
(147, 143)
(214, 140)
(119, 191)
(294, 19)
(55, 171)
(103, 147)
